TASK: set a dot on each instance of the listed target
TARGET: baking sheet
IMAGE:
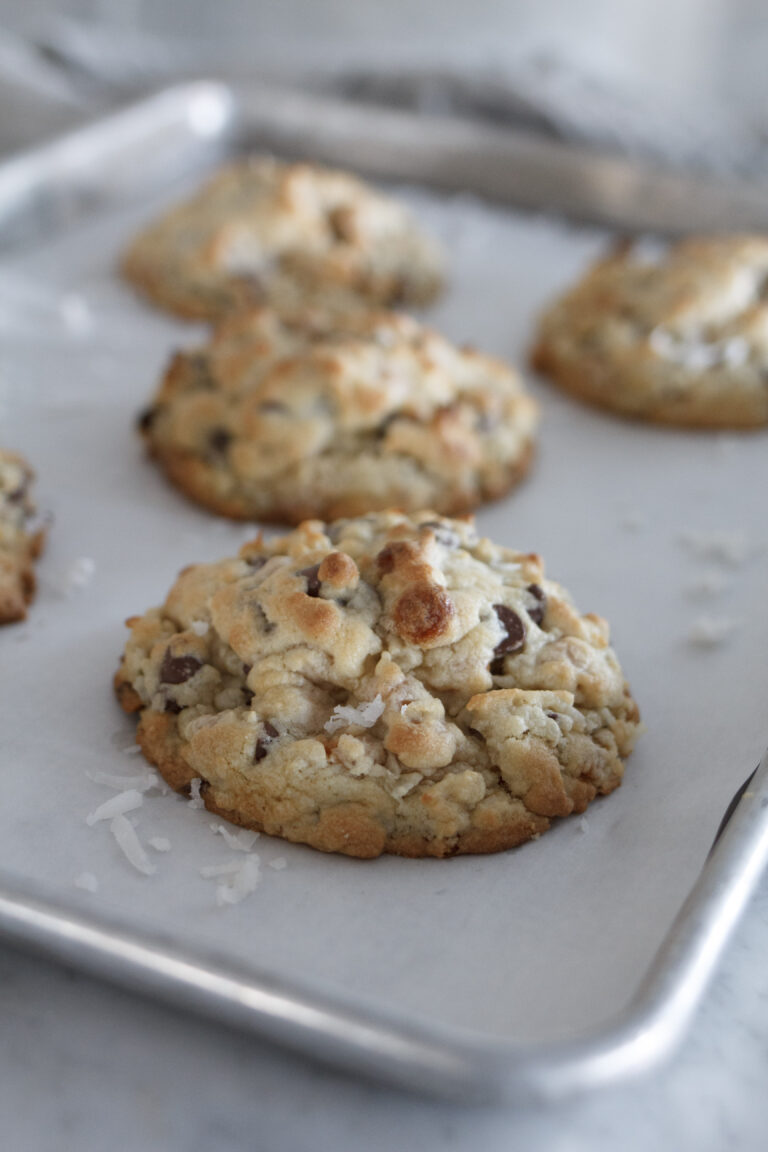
(539, 944)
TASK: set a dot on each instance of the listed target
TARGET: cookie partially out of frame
(290, 235)
(682, 340)
(381, 684)
(285, 419)
(19, 547)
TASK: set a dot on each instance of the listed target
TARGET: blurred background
(681, 81)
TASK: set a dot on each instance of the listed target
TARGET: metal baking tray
(565, 965)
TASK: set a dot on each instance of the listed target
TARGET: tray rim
(419, 1057)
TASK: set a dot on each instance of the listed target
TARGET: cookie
(380, 684)
(19, 546)
(284, 419)
(680, 340)
(290, 235)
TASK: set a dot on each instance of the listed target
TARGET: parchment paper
(540, 943)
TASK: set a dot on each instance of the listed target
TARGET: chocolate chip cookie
(19, 545)
(288, 234)
(282, 419)
(678, 340)
(380, 684)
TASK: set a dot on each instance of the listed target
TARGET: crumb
(710, 631)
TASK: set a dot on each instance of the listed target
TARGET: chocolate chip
(552, 715)
(442, 533)
(18, 494)
(399, 291)
(247, 669)
(497, 666)
(146, 419)
(537, 610)
(248, 694)
(313, 580)
(268, 734)
(178, 669)
(219, 439)
(172, 706)
(514, 628)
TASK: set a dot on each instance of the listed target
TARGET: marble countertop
(84, 1066)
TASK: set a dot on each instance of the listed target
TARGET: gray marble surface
(86, 1067)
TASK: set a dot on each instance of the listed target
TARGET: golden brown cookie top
(390, 662)
(289, 234)
(682, 338)
(282, 416)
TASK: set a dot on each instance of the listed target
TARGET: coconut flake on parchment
(116, 806)
(130, 845)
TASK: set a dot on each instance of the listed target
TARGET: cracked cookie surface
(679, 340)
(285, 419)
(290, 235)
(380, 684)
(19, 547)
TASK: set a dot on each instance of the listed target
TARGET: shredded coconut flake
(87, 881)
(160, 844)
(241, 883)
(79, 574)
(116, 806)
(195, 799)
(709, 631)
(76, 314)
(242, 841)
(200, 627)
(141, 783)
(583, 824)
(692, 351)
(364, 715)
(132, 750)
(278, 863)
(130, 845)
(729, 547)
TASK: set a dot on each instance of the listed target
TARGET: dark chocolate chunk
(497, 666)
(313, 580)
(537, 610)
(18, 495)
(268, 734)
(178, 669)
(248, 694)
(514, 628)
(172, 706)
(442, 533)
(219, 439)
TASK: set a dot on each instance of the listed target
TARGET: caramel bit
(422, 614)
(338, 570)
